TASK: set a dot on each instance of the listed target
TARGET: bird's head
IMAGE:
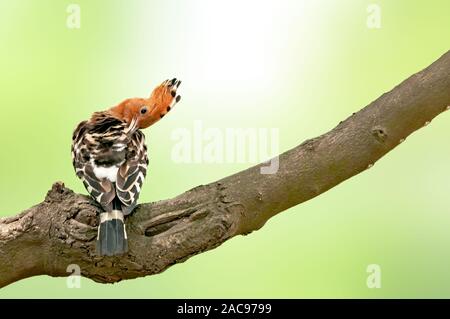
(148, 111)
(137, 109)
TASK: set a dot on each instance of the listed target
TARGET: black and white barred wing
(82, 148)
(132, 173)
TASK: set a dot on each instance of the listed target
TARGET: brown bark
(61, 230)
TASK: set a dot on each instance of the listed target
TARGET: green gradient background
(297, 66)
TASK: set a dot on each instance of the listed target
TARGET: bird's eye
(143, 110)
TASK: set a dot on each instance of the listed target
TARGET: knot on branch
(164, 222)
(57, 193)
(76, 221)
(380, 134)
(311, 143)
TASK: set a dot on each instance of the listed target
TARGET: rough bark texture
(61, 230)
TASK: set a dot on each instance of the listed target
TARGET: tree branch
(61, 230)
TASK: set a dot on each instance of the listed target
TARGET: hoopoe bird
(110, 157)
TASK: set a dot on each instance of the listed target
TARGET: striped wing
(132, 172)
(83, 149)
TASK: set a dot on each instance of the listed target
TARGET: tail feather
(112, 236)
